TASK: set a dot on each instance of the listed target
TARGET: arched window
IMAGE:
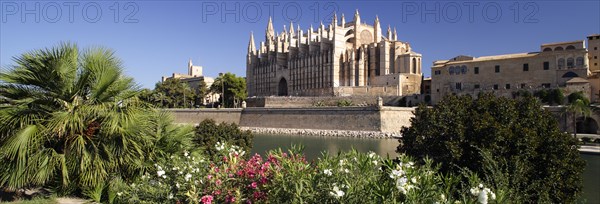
(561, 63)
(414, 67)
(570, 63)
(451, 70)
(570, 75)
(547, 49)
(558, 49)
(579, 62)
(570, 47)
(463, 69)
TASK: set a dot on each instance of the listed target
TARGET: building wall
(594, 52)
(512, 75)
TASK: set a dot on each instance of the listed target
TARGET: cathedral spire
(334, 21)
(356, 18)
(270, 33)
(190, 63)
(251, 46)
(343, 21)
(377, 30)
(291, 28)
(395, 34)
(389, 32)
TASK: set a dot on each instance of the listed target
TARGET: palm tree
(68, 120)
(577, 108)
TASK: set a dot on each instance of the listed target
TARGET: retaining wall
(371, 118)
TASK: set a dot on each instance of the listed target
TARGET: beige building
(194, 78)
(562, 65)
(594, 57)
(342, 59)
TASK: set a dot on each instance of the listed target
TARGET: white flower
(164, 176)
(396, 173)
(185, 154)
(327, 172)
(480, 185)
(413, 180)
(474, 191)
(336, 192)
(483, 197)
(346, 171)
(160, 173)
(119, 193)
(342, 162)
(177, 185)
(220, 146)
(188, 177)
(170, 196)
(372, 155)
(374, 162)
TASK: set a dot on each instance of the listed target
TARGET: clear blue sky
(156, 38)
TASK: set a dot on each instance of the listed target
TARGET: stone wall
(394, 118)
(308, 102)
(366, 119)
(195, 116)
(326, 118)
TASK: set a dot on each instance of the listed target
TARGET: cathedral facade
(342, 59)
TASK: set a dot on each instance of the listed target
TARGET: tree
(69, 121)
(201, 92)
(175, 94)
(234, 87)
(524, 139)
(578, 107)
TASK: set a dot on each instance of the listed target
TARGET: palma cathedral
(343, 59)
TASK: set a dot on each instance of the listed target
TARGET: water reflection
(313, 146)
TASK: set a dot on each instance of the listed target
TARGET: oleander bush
(286, 177)
(540, 163)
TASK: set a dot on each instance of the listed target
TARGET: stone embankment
(324, 133)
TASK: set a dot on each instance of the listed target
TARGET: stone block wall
(324, 118)
(195, 116)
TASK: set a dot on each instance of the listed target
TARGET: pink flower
(209, 177)
(218, 192)
(258, 195)
(218, 182)
(253, 185)
(230, 199)
(207, 199)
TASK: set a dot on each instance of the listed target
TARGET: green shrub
(543, 163)
(344, 102)
(208, 133)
